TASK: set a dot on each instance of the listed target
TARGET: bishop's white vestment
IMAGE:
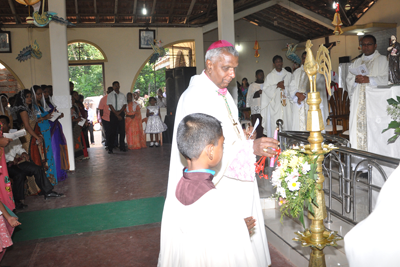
(276, 103)
(202, 97)
(377, 66)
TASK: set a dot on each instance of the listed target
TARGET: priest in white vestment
(374, 241)
(276, 102)
(377, 66)
(210, 88)
(253, 101)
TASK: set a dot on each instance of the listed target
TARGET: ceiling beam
(95, 10)
(171, 10)
(108, 24)
(279, 29)
(241, 14)
(78, 17)
(289, 26)
(306, 13)
(134, 11)
(294, 20)
(153, 8)
(12, 7)
(344, 15)
(189, 11)
(116, 11)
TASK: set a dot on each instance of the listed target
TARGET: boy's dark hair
(371, 37)
(5, 118)
(276, 58)
(152, 98)
(115, 83)
(195, 132)
(304, 53)
(259, 71)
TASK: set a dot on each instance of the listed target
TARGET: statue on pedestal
(393, 56)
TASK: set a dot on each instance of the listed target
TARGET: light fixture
(238, 47)
(360, 33)
(144, 10)
(335, 4)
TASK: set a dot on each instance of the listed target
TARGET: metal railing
(351, 170)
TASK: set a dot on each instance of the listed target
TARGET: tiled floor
(105, 178)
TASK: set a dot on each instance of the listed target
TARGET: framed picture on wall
(5, 42)
(146, 38)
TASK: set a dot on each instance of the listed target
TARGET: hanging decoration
(337, 22)
(29, 3)
(256, 47)
(42, 20)
(291, 54)
(30, 51)
(159, 51)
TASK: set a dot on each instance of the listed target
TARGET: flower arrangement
(295, 179)
(393, 111)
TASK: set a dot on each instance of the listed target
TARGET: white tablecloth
(378, 119)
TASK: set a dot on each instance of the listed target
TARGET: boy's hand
(250, 223)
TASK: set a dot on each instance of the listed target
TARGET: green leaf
(393, 139)
(394, 124)
(392, 102)
(301, 218)
(314, 201)
(311, 209)
(385, 130)
(397, 131)
(398, 98)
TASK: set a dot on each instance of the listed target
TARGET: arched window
(86, 67)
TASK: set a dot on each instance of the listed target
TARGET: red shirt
(106, 110)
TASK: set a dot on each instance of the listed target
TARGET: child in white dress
(154, 124)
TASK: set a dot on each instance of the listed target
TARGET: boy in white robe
(195, 241)
(254, 101)
(275, 100)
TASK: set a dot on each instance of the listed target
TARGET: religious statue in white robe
(243, 196)
(377, 66)
(276, 103)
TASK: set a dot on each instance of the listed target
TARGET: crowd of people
(120, 117)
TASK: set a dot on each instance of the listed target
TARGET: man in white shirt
(116, 101)
(161, 100)
(19, 167)
(377, 66)
(275, 100)
(254, 103)
(138, 99)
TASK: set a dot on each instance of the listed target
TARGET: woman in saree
(80, 148)
(135, 136)
(32, 142)
(58, 141)
(43, 117)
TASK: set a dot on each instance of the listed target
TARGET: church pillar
(60, 75)
(226, 31)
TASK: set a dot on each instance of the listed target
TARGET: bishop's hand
(264, 146)
(250, 223)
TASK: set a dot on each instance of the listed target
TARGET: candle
(272, 160)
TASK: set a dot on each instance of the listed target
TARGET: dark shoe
(53, 194)
(106, 147)
(110, 152)
(20, 206)
(124, 150)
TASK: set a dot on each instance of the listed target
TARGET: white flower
(276, 175)
(281, 191)
(331, 146)
(306, 167)
(293, 162)
(293, 177)
(294, 186)
(295, 147)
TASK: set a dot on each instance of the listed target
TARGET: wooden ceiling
(284, 19)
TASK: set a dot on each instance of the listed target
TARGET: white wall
(121, 46)
(271, 43)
